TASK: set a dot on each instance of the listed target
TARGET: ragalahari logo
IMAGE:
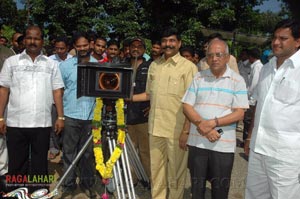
(29, 180)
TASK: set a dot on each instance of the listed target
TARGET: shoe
(3, 184)
(90, 193)
(146, 185)
(67, 195)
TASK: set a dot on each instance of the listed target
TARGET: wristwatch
(61, 118)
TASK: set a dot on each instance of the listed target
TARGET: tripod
(122, 180)
(121, 183)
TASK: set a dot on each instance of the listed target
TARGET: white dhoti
(270, 178)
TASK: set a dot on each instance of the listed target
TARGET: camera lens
(109, 81)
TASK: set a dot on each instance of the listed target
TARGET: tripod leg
(127, 165)
(116, 170)
(125, 174)
(136, 158)
(133, 161)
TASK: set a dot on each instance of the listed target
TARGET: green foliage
(219, 17)
(121, 19)
(193, 35)
(7, 31)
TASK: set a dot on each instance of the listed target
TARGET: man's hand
(247, 146)
(59, 125)
(2, 127)
(213, 135)
(206, 126)
(183, 140)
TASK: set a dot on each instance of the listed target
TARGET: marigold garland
(105, 169)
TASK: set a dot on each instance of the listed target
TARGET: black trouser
(213, 166)
(27, 153)
(75, 135)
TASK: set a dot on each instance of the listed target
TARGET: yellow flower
(105, 169)
(121, 136)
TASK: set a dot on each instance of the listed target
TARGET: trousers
(168, 168)
(75, 135)
(213, 166)
(27, 153)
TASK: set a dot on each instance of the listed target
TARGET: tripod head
(109, 118)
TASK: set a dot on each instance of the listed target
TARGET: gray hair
(219, 40)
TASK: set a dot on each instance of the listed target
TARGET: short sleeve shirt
(216, 97)
(31, 87)
(166, 84)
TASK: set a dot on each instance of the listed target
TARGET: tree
(65, 17)
(8, 11)
(120, 19)
(125, 18)
(293, 7)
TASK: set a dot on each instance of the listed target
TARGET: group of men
(192, 119)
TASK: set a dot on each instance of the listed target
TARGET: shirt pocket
(287, 92)
(175, 86)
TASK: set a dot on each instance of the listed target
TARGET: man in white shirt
(29, 82)
(244, 65)
(256, 66)
(253, 76)
(274, 162)
(215, 101)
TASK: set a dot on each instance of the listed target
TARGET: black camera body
(106, 80)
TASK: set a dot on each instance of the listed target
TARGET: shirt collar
(294, 60)
(257, 61)
(24, 55)
(228, 72)
(173, 59)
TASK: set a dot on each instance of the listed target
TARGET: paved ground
(236, 189)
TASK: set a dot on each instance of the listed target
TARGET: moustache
(83, 53)
(135, 51)
(32, 45)
(168, 47)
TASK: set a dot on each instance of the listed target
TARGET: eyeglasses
(218, 55)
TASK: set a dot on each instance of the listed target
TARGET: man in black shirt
(137, 112)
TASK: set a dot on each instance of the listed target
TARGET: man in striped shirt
(214, 102)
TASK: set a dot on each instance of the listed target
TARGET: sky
(19, 5)
(271, 5)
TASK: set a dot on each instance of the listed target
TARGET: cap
(138, 39)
